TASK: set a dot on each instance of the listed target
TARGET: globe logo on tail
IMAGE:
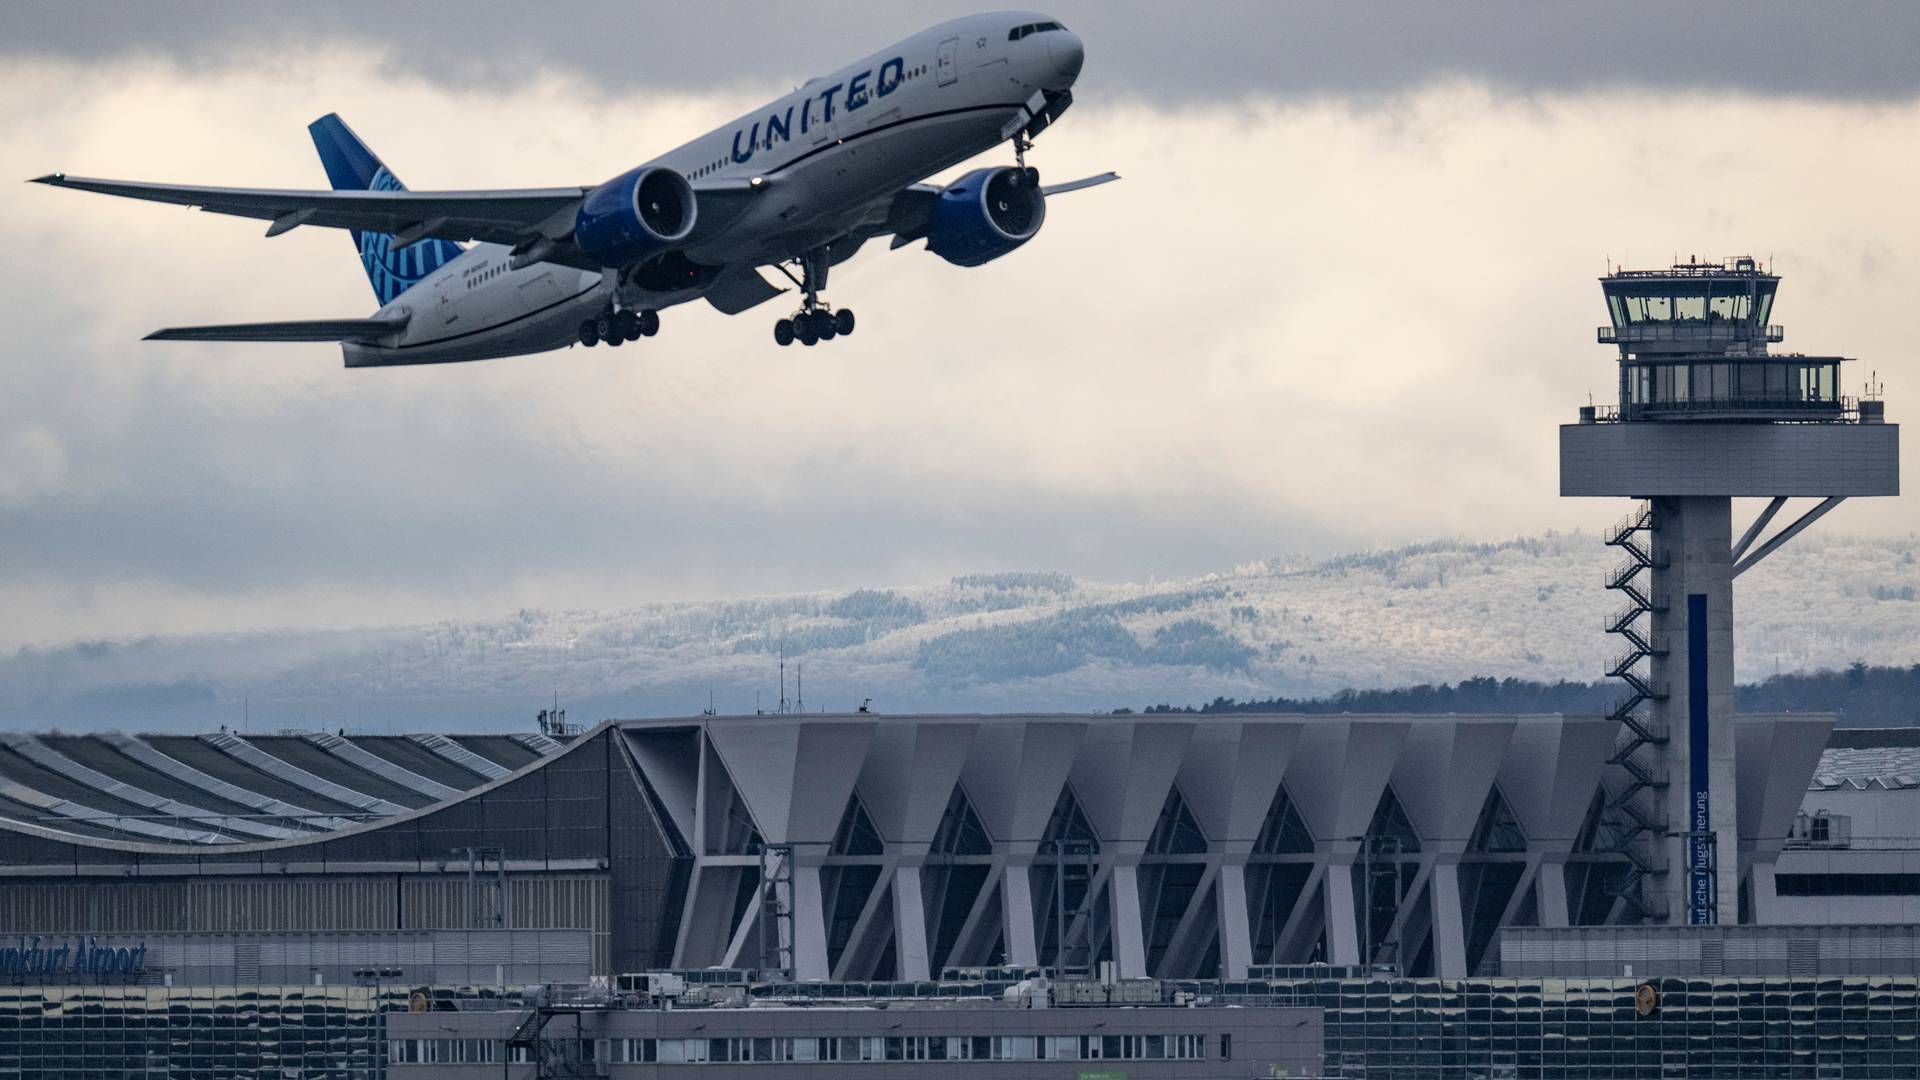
(394, 272)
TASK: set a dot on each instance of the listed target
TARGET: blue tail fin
(352, 167)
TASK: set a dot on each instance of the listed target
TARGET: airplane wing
(536, 221)
(907, 213)
(1080, 184)
(305, 330)
(501, 217)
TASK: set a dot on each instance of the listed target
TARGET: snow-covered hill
(1434, 612)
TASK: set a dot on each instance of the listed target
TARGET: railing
(1842, 410)
(1855, 843)
(1743, 405)
(1657, 332)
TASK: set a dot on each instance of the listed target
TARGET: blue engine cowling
(985, 214)
(634, 216)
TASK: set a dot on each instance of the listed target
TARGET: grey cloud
(1163, 384)
(1163, 52)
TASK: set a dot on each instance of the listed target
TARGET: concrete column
(1449, 926)
(809, 925)
(1551, 890)
(909, 923)
(1016, 899)
(1129, 941)
(1236, 934)
(1693, 535)
(1343, 929)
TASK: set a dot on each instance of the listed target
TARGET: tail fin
(352, 167)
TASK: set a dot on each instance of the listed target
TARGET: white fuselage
(828, 152)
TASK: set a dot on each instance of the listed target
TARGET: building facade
(859, 847)
(862, 869)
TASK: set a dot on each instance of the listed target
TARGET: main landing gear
(810, 327)
(619, 327)
(815, 321)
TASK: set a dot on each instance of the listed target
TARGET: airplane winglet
(1077, 185)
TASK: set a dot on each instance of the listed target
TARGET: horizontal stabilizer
(302, 330)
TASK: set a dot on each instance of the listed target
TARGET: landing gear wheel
(783, 332)
(629, 326)
(649, 323)
(607, 329)
(823, 324)
(804, 330)
(588, 336)
(843, 321)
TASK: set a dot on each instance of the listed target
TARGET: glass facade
(1548, 1029)
(1401, 1029)
(203, 1032)
(1684, 298)
(871, 1048)
(1705, 385)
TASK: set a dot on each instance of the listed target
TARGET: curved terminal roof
(225, 788)
(251, 794)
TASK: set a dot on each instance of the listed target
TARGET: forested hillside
(1519, 621)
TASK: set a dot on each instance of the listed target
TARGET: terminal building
(1666, 890)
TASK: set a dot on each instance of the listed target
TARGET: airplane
(798, 185)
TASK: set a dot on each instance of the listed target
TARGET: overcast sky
(1342, 299)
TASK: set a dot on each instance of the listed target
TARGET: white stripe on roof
(538, 743)
(248, 754)
(368, 761)
(40, 800)
(153, 758)
(33, 749)
(461, 756)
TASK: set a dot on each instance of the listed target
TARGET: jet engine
(985, 214)
(634, 216)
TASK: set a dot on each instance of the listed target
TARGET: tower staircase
(1633, 824)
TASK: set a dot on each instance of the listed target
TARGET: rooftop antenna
(799, 687)
(783, 676)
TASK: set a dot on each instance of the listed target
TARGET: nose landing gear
(619, 327)
(816, 321)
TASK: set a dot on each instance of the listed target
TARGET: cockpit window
(1019, 32)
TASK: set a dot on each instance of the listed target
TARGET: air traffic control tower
(1706, 414)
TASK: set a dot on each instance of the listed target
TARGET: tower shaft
(1693, 579)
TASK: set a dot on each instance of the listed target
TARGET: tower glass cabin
(1706, 414)
(1693, 346)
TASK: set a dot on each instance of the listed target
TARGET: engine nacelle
(634, 216)
(985, 214)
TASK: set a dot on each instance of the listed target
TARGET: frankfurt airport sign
(38, 957)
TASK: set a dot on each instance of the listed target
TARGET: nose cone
(1066, 54)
